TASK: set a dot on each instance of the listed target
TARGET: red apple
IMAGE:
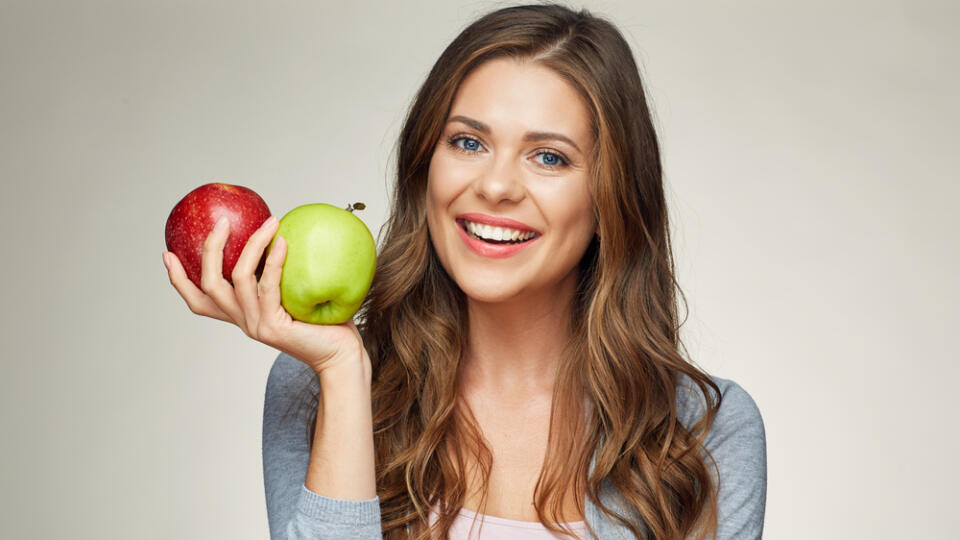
(192, 219)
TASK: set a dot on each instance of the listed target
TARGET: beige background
(810, 151)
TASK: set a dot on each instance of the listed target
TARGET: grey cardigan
(736, 441)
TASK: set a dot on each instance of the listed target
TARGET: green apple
(329, 264)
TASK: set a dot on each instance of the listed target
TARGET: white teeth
(498, 233)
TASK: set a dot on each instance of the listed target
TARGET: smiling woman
(520, 343)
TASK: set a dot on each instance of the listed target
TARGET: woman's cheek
(449, 177)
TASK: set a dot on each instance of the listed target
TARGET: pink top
(498, 528)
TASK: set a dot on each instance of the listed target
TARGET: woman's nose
(501, 181)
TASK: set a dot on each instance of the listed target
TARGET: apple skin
(192, 219)
(329, 264)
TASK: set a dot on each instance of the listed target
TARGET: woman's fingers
(211, 274)
(198, 302)
(244, 278)
(273, 316)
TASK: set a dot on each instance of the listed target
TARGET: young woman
(517, 361)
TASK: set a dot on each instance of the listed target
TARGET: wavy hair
(615, 392)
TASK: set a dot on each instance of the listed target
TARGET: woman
(519, 345)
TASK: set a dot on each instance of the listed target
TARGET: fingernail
(165, 263)
(221, 223)
(270, 221)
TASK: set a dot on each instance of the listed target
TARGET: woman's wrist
(345, 369)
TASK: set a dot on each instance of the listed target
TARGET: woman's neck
(514, 347)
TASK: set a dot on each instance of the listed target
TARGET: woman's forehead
(522, 96)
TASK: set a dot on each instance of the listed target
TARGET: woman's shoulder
(738, 447)
(287, 371)
(737, 410)
(291, 385)
(287, 368)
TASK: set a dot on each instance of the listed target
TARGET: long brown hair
(614, 398)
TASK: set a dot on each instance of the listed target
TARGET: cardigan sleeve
(293, 511)
(737, 442)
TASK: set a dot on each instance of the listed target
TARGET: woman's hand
(259, 313)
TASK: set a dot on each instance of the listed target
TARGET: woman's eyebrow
(530, 136)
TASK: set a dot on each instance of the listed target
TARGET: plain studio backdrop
(810, 151)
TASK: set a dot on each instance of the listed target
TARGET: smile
(494, 234)
(494, 242)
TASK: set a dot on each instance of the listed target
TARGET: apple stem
(355, 206)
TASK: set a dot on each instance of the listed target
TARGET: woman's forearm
(342, 457)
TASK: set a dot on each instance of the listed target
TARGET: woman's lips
(493, 251)
(495, 221)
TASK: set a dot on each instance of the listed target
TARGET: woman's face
(516, 146)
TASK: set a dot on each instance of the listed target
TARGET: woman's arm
(342, 459)
(326, 491)
(737, 441)
(341, 463)
(739, 445)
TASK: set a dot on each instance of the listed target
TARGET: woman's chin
(476, 291)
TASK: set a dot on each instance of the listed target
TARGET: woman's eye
(551, 159)
(469, 145)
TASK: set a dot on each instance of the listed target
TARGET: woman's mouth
(495, 235)
(482, 239)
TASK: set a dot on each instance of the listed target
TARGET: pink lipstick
(490, 249)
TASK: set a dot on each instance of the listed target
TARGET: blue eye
(469, 145)
(551, 160)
